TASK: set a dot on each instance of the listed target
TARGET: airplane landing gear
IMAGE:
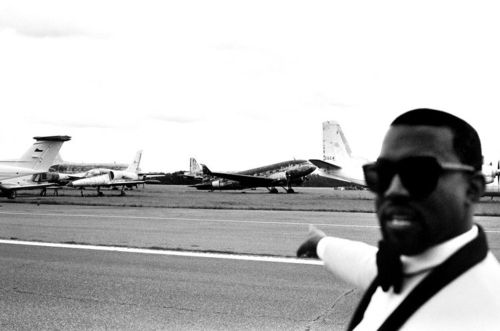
(273, 190)
(290, 190)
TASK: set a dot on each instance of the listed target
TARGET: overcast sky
(239, 84)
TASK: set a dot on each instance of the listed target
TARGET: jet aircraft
(281, 174)
(102, 177)
(338, 162)
(24, 173)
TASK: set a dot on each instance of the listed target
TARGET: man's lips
(399, 222)
(399, 219)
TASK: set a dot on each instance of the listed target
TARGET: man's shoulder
(470, 302)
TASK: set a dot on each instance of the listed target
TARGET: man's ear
(477, 185)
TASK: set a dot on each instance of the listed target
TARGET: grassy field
(177, 196)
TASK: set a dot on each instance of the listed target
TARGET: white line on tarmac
(188, 219)
(167, 252)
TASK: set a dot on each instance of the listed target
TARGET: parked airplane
(281, 174)
(338, 163)
(491, 171)
(102, 177)
(22, 174)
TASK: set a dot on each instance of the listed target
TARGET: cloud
(43, 30)
(47, 19)
(177, 119)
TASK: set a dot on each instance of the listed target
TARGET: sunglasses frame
(418, 185)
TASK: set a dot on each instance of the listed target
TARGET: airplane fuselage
(279, 174)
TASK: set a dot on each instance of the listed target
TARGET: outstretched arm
(352, 261)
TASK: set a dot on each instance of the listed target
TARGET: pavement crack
(74, 298)
(330, 309)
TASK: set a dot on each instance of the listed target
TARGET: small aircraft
(24, 173)
(338, 162)
(102, 177)
(281, 174)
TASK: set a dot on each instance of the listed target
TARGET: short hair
(466, 142)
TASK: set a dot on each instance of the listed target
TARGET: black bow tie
(390, 268)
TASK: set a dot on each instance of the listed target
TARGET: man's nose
(396, 188)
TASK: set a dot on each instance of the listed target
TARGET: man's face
(412, 224)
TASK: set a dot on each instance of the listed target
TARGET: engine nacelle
(119, 174)
(218, 183)
(279, 176)
(100, 180)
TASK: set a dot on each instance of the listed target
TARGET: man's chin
(405, 243)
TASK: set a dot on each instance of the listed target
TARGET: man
(433, 269)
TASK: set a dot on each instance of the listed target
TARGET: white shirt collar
(436, 255)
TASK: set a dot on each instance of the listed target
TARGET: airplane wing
(246, 180)
(26, 186)
(324, 165)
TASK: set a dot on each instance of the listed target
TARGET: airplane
(23, 173)
(280, 174)
(338, 162)
(491, 170)
(103, 177)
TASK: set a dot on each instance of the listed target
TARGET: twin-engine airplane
(24, 173)
(338, 162)
(102, 177)
(280, 174)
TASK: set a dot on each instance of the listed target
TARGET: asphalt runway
(65, 288)
(74, 289)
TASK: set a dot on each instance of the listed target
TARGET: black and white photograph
(249, 165)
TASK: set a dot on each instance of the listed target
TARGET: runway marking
(189, 219)
(168, 252)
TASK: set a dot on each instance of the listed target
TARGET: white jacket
(470, 302)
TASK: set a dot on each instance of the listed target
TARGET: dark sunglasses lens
(419, 175)
(378, 176)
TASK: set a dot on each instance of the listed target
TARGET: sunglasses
(418, 174)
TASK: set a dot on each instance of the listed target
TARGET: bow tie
(390, 268)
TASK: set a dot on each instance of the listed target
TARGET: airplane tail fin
(194, 167)
(134, 166)
(335, 146)
(42, 154)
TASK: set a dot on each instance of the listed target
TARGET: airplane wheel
(273, 190)
(100, 194)
(290, 190)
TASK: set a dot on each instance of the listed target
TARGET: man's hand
(308, 247)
